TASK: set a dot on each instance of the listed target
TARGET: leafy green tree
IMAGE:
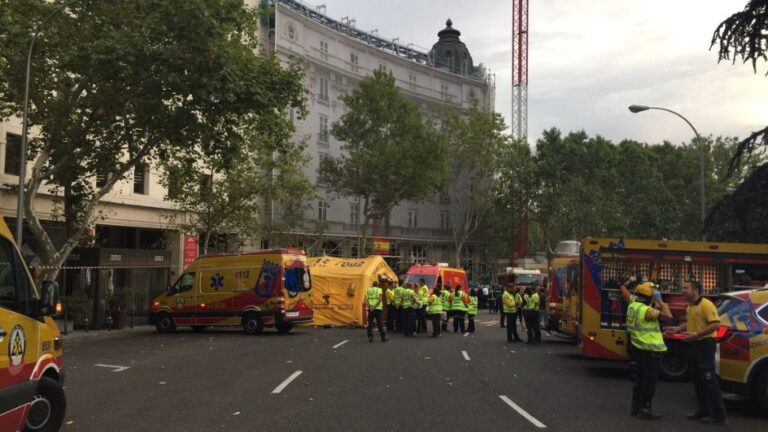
(229, 196)
(738, 216)
(390, 153)
(116, 84)
(475, 141)
(513, 190)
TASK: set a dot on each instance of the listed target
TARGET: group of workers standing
(646, 309)
(518, 303)
(410, 306)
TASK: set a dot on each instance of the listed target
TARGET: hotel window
(12, 152)
(412, 80)
(322, 210)
(353, 62)
(323, 90)
(322, 134)
(445, 220)
(140, 179)
(324, 50)
(413, 218)
(354, 214)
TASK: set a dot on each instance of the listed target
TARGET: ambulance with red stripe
(31, 376)
(437, 275)
(269, 288)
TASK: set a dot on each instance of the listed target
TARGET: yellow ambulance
(269, 288)
(31, 376)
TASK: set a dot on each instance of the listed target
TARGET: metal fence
(109, 297)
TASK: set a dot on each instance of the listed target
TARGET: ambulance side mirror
(49, 301)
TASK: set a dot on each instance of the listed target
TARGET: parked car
(743, 356)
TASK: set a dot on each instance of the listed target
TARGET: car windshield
(430, 280)
(527, 279)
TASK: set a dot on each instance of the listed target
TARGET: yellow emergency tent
(339, 286)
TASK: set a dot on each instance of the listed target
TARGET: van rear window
(297, 280)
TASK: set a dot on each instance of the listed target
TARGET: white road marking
(523, 413)
(490, 324)
(116, 368)
(466, 356)
(340, 343)
(466, 334)
(285, 383)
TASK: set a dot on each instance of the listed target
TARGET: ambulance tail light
(281, 304)
(58, 343)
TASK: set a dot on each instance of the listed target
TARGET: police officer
(391, 306)
(435, 310)
(459, 303)
(472, 310)
(643, 325)
(406, 303)
(531, 315)
(373, 300)
(445, 298)
(398, 302)
(510, 303)
(421, 313)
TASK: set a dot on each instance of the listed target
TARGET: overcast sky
(590, 59)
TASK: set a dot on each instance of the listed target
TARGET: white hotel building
(337, 56)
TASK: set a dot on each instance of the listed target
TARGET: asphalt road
(225, 380)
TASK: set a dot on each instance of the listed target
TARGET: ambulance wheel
(674, 363)
(198, 328)
(164, 323)
(284, 327)
(46, 413)
(760, 392)
(252, 324)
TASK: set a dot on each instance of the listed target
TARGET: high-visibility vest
(436, 305)
(457, 303)
(444, 298)
(398, 295)
(509, 300)
(472, 308)
(423, 295)
(390, 293)
(372, 296)
(532, 301)
(406, 300)
(646, 335)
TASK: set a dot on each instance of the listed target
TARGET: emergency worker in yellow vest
(643, 325)
(398, 303)
(406, 303)
(373, 301)
(422, 295)
(435, 310)
(472, 310)
(445, 299)
(391, 305)
(531, 315)
(459, 301)
(510, 302)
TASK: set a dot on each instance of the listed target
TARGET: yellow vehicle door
(19, 332)
(215, 303)
(182, 299)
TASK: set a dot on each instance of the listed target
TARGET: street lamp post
(25, 122)
(640, 108)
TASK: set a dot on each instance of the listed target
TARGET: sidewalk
(82, 334)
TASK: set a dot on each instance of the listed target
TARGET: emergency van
(437, 275)
(31, 376)
(266, 288)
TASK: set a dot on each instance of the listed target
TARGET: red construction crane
(520, 69)
(520, 109)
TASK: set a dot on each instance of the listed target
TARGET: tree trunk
(363, 230)
(206, 239)
(459, 247)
